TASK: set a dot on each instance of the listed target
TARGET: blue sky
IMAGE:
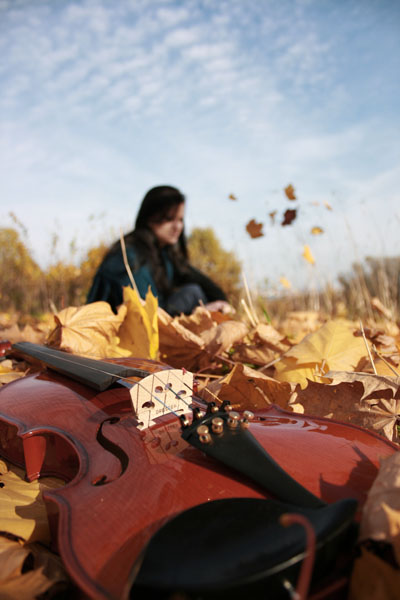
(102, 99)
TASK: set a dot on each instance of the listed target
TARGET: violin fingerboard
(160, 394)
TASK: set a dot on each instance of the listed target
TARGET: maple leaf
(248, 389)
(139, 331)
(8, 372)
(290, 193)
(324, 350)
(254, 229)
(222, 337)
(232, 197)
(317, 230)
(289, 216)
(327, 205)
(374, 385)
(307, 254)
(272, 216)
(89, 330)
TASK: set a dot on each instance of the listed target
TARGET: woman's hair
(159, 204)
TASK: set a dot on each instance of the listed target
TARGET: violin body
(124, 483)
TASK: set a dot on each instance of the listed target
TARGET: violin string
(104, 372)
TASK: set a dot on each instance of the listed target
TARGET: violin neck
(97, 374)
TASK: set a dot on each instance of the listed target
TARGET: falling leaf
(333, 347)
(89, 330)
(139, 331)
(327, 205)
(232, 197)
(317, 230)
(254, 229)
(285, 282)
(307, 254)
(272, 216)
(290, 193)
(289, 216)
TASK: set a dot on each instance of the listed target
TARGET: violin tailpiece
(225, 435)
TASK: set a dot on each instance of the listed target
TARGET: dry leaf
(373, 579)
(248, 389)
(179, 347)
(317, 230)
(253, 354)
(265, 333)
(374, 385)
(89, 330)
(199, 321)
(327, 205)
(232, 197)
(254, 229)
(290, 193)
(385, 490)
(9, 372)
(272, 216)
(289, 216)
(332, 347)
(221, 338)
(22, 512)
(138, 333)
(307, 254)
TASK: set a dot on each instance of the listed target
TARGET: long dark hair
(159, 204)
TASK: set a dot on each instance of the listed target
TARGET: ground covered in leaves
(338, 369)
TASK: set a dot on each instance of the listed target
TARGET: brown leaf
(373, 579)
(232, 197)
(254, 229)
(289, 216)
(268, 335)
(246, 388)
(199, 321)
(272, 216)
(221, 338)
(327, 205)
(179, 347)
(385, 490)
(290, 193)
(256, 355)
(374, 385)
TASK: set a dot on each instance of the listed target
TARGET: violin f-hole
(114, 449)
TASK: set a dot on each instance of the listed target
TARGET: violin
(165, 493)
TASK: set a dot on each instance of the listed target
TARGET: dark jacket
(112, 276)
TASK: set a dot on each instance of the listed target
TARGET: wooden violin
(166, 494)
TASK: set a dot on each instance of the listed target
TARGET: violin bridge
(160, 394)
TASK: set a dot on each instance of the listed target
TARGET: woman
(157, 256)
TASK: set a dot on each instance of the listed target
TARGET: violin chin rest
(225, 548)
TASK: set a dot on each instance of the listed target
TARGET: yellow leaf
(139, 331)
(333, 347)
(285, 282)
(22, 512)
(22, 581)
(89, 330)
(8, 373)
(307, 254)
(317, 230)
